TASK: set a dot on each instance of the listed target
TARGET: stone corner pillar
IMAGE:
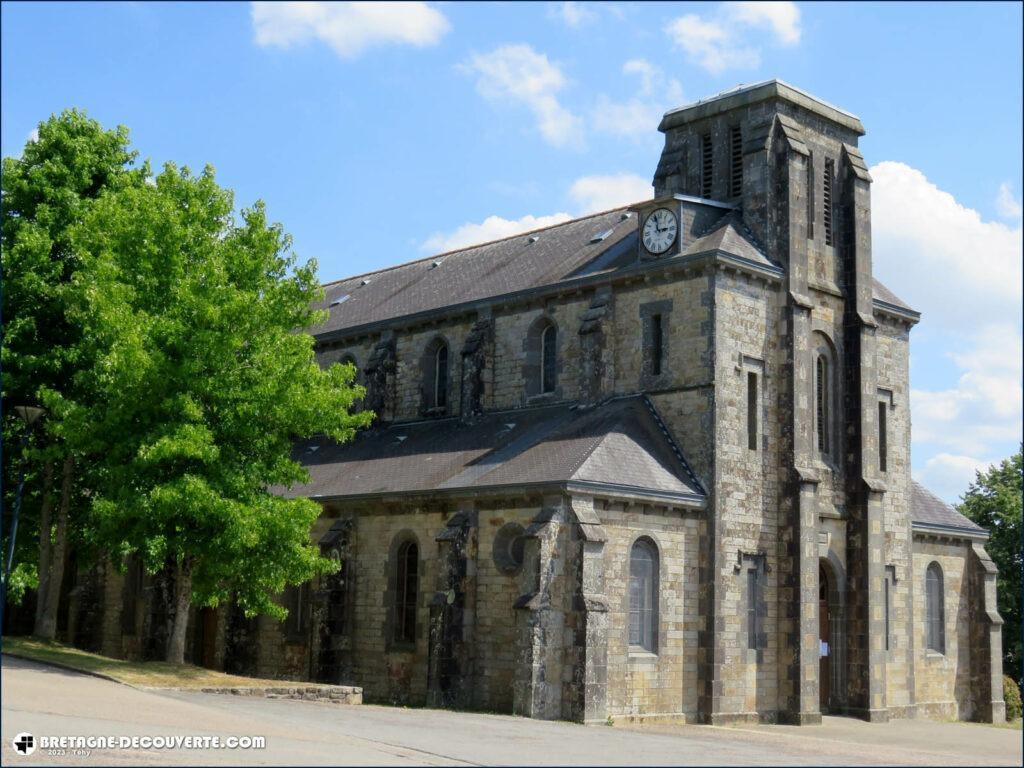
(802, 699)
(875, 708)
(540, 616)
(988, 640)
(450, 655)
(589, 695)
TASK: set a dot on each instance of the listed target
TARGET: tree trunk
(45, 548)
(182, 602)
(46, 626)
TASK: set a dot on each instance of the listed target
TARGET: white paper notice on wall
(823, 648)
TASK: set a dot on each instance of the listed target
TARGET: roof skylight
(601, 236)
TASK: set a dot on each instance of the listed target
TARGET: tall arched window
(822, 403)
(548, 358)
(435, 375)
(935, 609)
(643, 595)
(406, 585)
(441, 376)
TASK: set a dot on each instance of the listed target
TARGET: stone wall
(894, 392)
(746, 496)
(643, 685)
(942, 680)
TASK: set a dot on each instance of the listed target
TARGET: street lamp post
(30, 415)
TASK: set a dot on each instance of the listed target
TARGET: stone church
(652, 463)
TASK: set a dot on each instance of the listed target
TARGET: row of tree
(994, 502)
(163, 333)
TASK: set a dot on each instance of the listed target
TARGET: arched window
(441, 376)
(935, 609)
(540, 369)
(548, 358)
(406, 585)
(435, 375)
(822, 403)
(296, 600)
(643, 595)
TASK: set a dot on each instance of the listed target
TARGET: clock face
(660, 230)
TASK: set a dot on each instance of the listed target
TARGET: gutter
(950, 530)
(628, 492)
(900, 312)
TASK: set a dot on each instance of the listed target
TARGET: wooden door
(825, 645)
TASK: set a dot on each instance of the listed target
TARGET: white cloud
(588, 194)
(638, 116)
(720, 41)
(601, 193)
(491, 228)
(984, 410)
(348, 28)
(573, 14)
(964, 274)
(949, 475)
(782, 18)
(1007, 204)
(711, 44)
(33, 135)
(941, 256)
(518, 73)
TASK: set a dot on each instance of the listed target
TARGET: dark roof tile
(619, 443)
(529, 260)
(929, 509)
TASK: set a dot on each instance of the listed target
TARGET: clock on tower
(661, 227)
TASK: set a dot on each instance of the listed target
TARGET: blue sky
(376, 135)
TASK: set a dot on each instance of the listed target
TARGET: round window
(509, 545)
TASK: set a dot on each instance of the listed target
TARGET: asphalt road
(46, 701)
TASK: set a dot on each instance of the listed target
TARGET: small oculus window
(509, 548)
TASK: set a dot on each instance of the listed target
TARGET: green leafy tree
(46, 191)
(201, 378)
(994, 502)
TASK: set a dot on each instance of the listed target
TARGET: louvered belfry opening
(735, 161)
(705, 165)
(810, 196)
(826, 199)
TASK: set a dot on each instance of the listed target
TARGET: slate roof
(620, 445)
(730, 235)
(535, 259)
(484, 271)
(883, 294)
(929, 509)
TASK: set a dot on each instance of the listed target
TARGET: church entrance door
(824, 642)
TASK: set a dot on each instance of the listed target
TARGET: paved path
(43, 700)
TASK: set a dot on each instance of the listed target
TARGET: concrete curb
(66, 667)
(334, 694)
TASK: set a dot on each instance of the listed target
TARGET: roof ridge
(445, 254)
(663, 427)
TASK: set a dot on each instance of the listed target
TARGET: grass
(1013, 725)
(149, 674)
